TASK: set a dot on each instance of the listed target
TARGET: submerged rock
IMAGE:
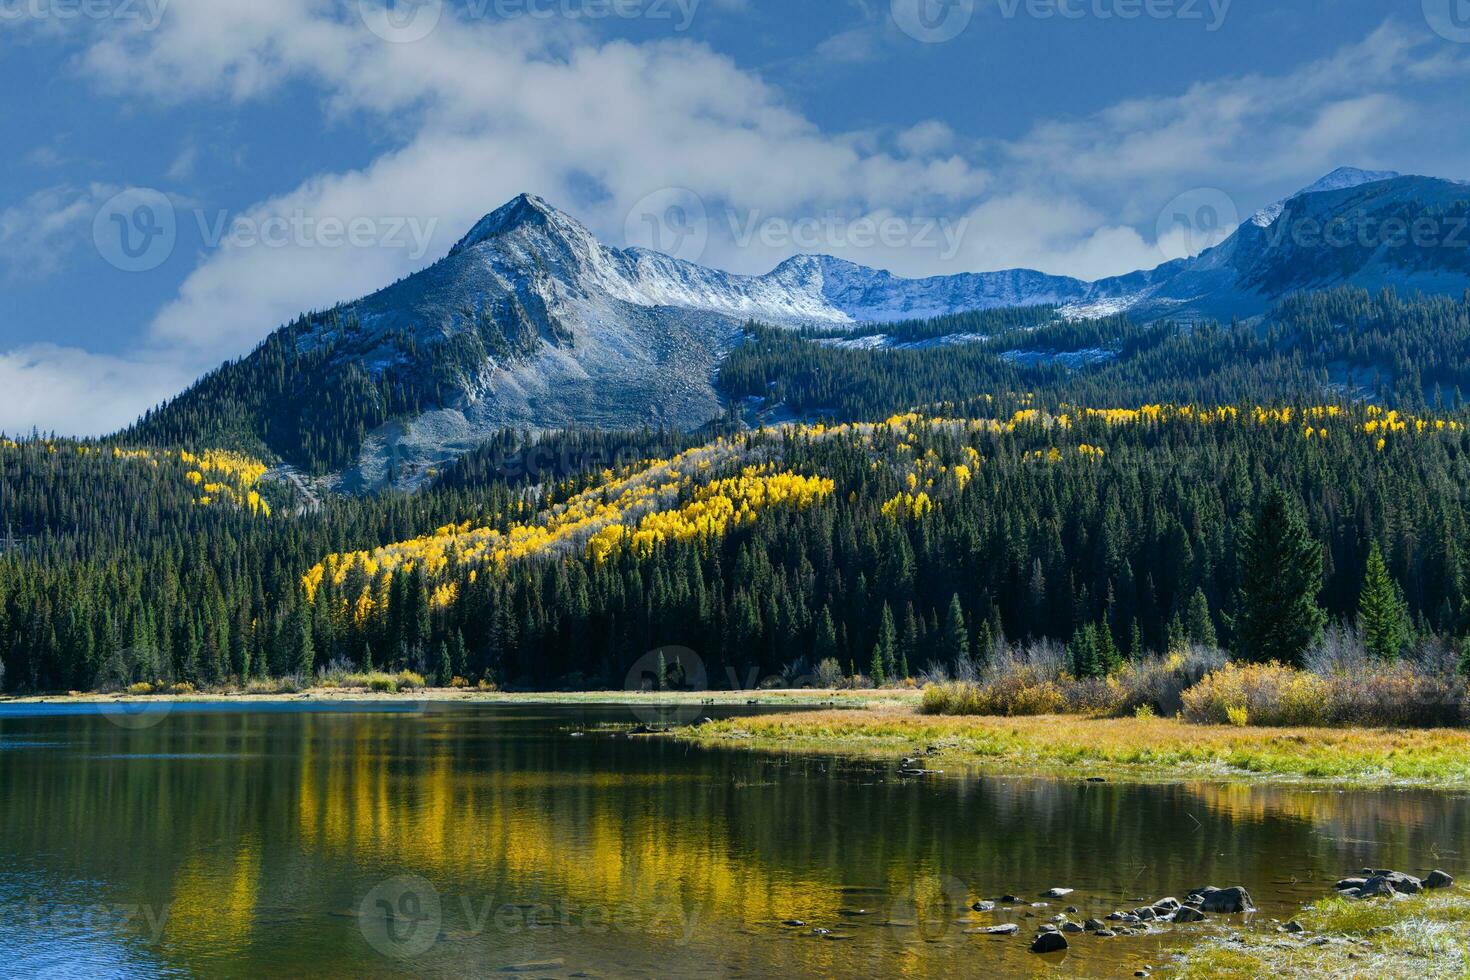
(1009, 929)
(1057, 892)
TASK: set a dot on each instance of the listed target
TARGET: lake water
(445, 841)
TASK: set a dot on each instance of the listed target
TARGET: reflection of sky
(60, 930)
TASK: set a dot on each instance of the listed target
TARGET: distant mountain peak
(1344, 178)
(521, 211)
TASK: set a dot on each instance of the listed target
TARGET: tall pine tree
(1277, 616)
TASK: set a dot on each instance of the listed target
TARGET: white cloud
(37, 234)
(74, 392)
(480, 111)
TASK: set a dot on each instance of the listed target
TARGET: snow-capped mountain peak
(1345, 178)
(531, 322)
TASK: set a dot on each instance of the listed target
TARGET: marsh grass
(1132, 747)
(1423, 936)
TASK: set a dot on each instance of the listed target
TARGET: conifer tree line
(1250, 535)
(110, 572)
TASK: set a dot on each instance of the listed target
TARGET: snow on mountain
(1345, 178)
(532, 322)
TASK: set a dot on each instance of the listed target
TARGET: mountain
(531, 322)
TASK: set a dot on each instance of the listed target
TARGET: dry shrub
(1380, 695)
(1033, 679)
(1269, 694)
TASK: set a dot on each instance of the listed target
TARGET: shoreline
(886, 725)
(831, 700)
(1109, 749)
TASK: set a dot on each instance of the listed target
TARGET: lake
(311, 840)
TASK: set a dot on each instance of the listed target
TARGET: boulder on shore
(1438, 879)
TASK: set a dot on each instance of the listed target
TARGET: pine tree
(1383, 615)
(825, 641)
(1277, 616)
(1197, 622)
(956, 636)
(1082, 652)
(303, 655)
(885, 650)
(1109, 659)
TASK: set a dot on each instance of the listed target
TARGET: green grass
(1423, 936)
(1140, 748)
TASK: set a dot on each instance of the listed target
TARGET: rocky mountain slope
(531, 322)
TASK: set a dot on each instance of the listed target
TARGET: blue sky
(310, 151)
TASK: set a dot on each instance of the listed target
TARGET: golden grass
(1143, 748)
(1423, 936)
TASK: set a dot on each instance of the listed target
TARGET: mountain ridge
(531, 322)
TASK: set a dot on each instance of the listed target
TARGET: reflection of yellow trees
(1338, 814)
(215, 897)
(571, 835)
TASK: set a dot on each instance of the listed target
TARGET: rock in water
(1009, 929)
(1226, 901)
(1057, 892)
(1049, 942)
(1186, 913)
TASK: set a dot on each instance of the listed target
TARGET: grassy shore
(1421, 936)
(1118, 748)
(775, 698)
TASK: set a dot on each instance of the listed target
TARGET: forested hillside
(884, 546)
(1410, 352)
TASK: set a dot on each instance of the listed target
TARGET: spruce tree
(956, 636)
(1277, 616)
(886, 649)
(1383, 616)
(1197, 622)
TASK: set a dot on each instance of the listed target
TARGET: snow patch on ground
(885, 342)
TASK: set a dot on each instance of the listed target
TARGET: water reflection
(476, 840)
